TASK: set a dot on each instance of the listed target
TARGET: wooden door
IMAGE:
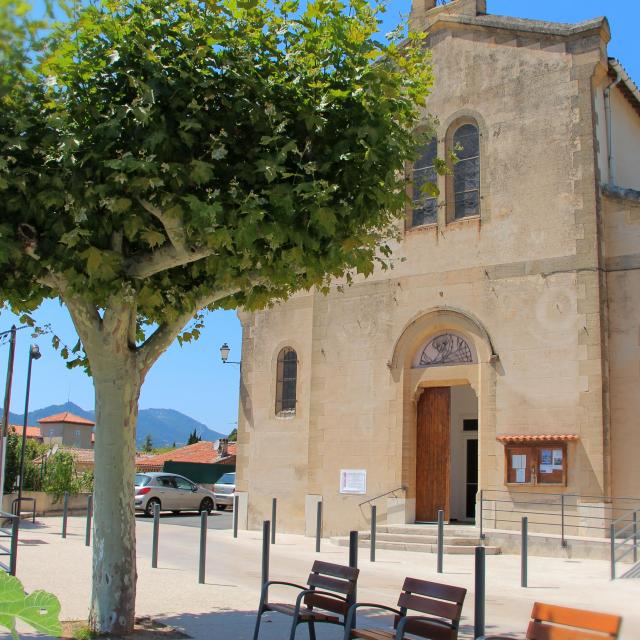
(433, 454)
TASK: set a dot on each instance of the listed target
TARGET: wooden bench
(440, 604)
(326, 598)
(551, 622)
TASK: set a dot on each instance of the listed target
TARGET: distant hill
(165, 426)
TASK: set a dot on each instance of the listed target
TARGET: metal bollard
(203, 546)
(266, 526)
(373, 532)
(440, 539)
(156, 535)
(65, 511)
(612, 536)
(353, 562)
(13, 560)
(236, 502)
(274, 509)
(481, 514)
(87, 535)
(635, 536)
(318, 525)
(479, 594)
(563, 542)
(524, 552)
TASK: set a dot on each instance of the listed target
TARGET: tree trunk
(117, 384)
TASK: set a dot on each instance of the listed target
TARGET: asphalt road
(216, 519)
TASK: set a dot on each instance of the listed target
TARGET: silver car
(171, 492)
(224, 489)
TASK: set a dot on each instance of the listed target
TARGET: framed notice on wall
(353, 481)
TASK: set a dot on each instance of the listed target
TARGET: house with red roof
(203, 452)
(66, 429)
(33, 433)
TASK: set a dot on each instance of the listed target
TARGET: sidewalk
(224, 608)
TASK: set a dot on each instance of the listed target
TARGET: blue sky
(192, 378)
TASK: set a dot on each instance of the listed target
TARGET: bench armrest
(266, 585)
(371, 605)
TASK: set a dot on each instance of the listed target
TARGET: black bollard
(13, 549)
(266, 526)
(156, 534)
(236, 502)
(65, 510)
(373, 532)
(87, 535)
(440, 540)
(274, 508)
(479, 594)
(353, 548)
(203, 546)
(523, 553)
(318, 525)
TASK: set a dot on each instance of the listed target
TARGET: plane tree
(163, 158)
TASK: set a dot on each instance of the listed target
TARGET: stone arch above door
(436, 321)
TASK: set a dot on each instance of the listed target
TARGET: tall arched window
(466, 172)
(425, 201)
(287, 377)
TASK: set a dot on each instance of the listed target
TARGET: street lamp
(34, 354)
(224, 354)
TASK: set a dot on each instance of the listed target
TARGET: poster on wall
(557, 460)
(546, 461)
(353, 481)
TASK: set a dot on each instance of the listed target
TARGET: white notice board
(353, 481)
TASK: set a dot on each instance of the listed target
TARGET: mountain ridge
(165, 426)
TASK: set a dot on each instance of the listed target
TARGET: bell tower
(426, 12)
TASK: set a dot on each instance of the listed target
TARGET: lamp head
(224, 352)
(34, 352)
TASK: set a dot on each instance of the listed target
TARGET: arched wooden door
(433, 455)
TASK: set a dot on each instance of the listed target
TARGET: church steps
(451, 549)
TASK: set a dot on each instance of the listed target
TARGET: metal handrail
(12, 552)
(558, 502)
(382, 495)
(617, 543)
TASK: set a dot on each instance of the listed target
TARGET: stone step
(416, 546)
(423, 539)
(430, 530)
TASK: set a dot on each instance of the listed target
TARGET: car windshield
(227, 478)
(142, 480)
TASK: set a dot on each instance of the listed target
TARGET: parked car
(172, 492)
(224, 489)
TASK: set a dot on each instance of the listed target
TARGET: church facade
(502, 353)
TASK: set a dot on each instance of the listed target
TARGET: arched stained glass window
(286, 381)
(466, 172)
(425, 202)
(445, 348)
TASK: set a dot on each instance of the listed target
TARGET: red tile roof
(202, 452)
(550, 437)
(67, 417)
(32, 432)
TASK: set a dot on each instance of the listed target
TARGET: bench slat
(430, 606)
(330, 584)
(435, 590)
(590, 620)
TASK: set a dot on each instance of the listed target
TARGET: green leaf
(40, 610)
(152, 238)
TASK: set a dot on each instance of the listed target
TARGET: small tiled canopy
(550, 437)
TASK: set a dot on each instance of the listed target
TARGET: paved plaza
(224, 608)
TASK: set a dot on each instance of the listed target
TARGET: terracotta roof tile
(203, 452)
(549, 437)
(32, 432)
(67, 417)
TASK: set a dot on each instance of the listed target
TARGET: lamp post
(34, 354)
(7, 402)
(224, 354)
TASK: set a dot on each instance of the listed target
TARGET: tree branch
(155, 345)
(176, 254)
(166, 257)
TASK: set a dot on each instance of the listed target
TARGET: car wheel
(206, 505)
(150, 506)
(176, 513)
(219, 507)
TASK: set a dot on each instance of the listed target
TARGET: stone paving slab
(224, 608)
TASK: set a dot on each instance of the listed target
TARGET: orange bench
(551, 622)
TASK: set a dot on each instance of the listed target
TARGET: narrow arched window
(425, 200)
(287, 377)
(466, 172)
